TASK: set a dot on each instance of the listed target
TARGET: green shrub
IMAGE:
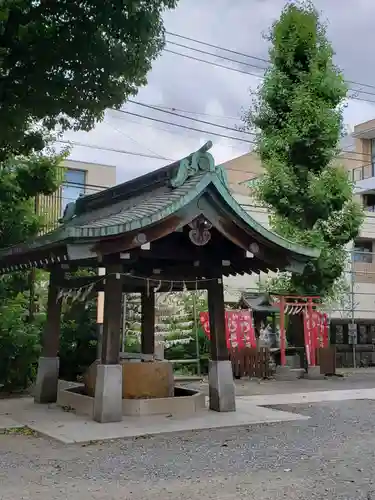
(78, 339)
(189, 351)
(19, 344)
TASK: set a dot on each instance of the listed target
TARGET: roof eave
(300, 252)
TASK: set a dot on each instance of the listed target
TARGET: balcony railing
(361, 173)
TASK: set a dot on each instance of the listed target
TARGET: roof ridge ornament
(199, 161)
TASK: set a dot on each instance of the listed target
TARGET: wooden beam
(132, 285)
(129, 240)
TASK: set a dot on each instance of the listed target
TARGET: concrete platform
(183, 405)
(7, 423)
(67, 427)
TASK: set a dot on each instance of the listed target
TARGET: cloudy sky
(211, 93)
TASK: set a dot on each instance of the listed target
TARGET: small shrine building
(175, 228)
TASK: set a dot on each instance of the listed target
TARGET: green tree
(62, 63)
(297, 114)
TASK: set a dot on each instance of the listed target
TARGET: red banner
(316, 333)
(239, 328)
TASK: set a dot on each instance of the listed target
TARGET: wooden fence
(250, 362)
(326, 359)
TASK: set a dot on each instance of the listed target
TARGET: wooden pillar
(48, 365)
(221, 386)
(148, 323)
(216, 310)
(99, 316)
(111, 340)
(108, 386)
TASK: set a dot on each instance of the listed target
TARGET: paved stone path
(330, 456)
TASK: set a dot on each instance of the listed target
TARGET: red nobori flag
(239, 328)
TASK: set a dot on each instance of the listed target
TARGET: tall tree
(298, 118)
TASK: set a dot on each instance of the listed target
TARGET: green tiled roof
(151, 198)
(137, 213)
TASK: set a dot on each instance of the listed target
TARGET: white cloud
(189, 85)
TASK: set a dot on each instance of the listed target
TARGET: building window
(73, 187)
(362, 251)
(373, 157)
(369, 202)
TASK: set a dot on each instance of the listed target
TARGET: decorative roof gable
(200, 161)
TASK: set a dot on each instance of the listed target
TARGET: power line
(215, 55)
(134, 140)
(267, 61)
(189, 112)
(156, 157)
(242, 54)
(154, 126)
(193, 129)
(103, 148)
(167, 110)
(158, 120)
(218, 47)
(133, 153)
(362, 99)
(237, 70)
(150, 106)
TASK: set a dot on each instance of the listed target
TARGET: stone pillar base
(159, 350)
(221, 386)
(108, 394)
(45, 390)
(286, 373)
(313, 373)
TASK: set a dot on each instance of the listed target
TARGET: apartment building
(85, 178)
(358, 157)
(361, 166)
(79, 178)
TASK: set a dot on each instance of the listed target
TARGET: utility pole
(352, 333)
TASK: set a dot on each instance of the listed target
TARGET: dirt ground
(361, 378)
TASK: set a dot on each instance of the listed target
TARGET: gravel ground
(361, 378)
(332, 455)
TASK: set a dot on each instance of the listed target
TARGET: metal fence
(362, 172)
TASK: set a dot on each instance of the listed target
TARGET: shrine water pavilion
(175, 228)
